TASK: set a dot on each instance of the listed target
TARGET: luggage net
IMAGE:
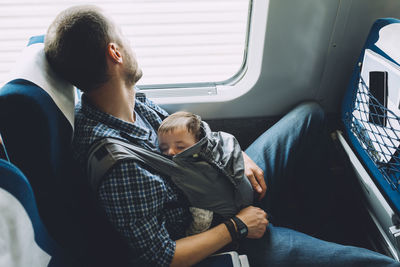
(377, 129)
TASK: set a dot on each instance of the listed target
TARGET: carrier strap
(223, 196)
(104, 153)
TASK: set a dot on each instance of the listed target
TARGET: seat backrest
(372, 119)
(3, 151)
(25, 240)
(36, 132)
(36, 123)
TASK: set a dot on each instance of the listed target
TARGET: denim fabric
(285, 247)
(291, 154)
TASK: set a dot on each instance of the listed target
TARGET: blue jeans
(290, 154)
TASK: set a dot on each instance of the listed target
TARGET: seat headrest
(32, 65)
(389, 39)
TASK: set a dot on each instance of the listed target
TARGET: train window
(179, 43)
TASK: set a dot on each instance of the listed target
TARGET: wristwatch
(242, 230)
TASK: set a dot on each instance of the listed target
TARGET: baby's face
(174, 142)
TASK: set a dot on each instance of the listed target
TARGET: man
(148, 210)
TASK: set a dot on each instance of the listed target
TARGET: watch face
(242, 228)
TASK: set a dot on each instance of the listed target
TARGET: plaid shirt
(147, 209)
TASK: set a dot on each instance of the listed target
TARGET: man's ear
(114, 53)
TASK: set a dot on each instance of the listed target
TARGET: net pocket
(377, 129)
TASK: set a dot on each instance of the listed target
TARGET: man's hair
(76, 44)
(182, 119)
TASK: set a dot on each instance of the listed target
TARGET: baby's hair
(182, 119)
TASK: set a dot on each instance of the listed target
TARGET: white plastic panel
(375, 203)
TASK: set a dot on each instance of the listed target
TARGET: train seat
(36, 125)
(3, 151)
(25, 240)
(371, 144)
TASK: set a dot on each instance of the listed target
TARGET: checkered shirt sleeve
(133, 199)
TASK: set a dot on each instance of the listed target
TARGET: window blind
(176, 41)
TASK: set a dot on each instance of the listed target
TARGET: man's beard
(132, 76)
(132, 71)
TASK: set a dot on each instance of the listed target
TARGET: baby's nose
(171, 152)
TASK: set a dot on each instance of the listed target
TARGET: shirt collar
(126, 129)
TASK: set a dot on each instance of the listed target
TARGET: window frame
(240, 83)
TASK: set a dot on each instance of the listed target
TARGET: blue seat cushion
(31, 125)
(15, 182)
(38, 140)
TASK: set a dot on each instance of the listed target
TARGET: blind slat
(176, 41)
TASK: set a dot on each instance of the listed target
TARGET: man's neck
(118, 101)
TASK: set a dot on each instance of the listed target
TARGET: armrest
(227, 259)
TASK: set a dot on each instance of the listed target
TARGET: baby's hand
(255, 175)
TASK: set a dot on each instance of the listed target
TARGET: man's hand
(255, 176)
(256, 221)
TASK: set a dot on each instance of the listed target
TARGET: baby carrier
(210, 178)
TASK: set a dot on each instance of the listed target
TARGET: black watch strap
(242, 230)
(232, 230)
